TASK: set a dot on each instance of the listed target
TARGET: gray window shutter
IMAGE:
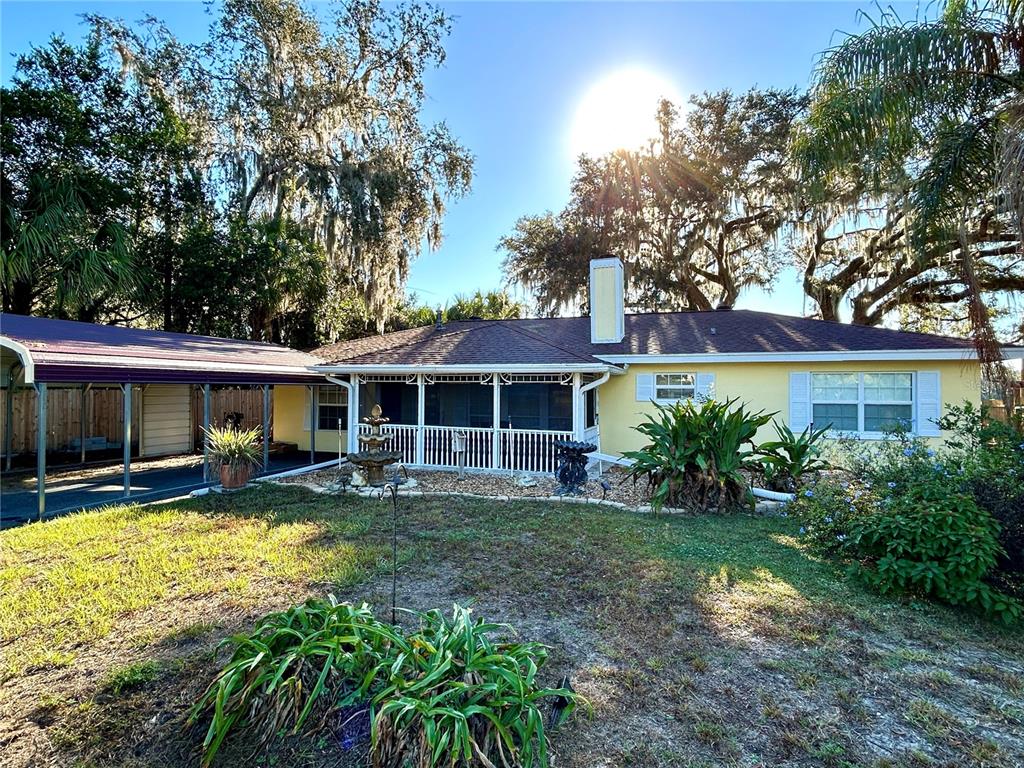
(644, 387)
(799, 401)
(929, 403)
(705, 386)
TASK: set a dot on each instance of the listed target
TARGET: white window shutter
(929, 403)
(799, 401)
(705, 386)
(644, 387)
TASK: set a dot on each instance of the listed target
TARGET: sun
(618, 111)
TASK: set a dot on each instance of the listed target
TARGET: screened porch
(480, 421)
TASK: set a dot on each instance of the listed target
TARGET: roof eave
(816, 356)
(341, 367)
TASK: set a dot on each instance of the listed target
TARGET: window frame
(344, 404)
(669, 400)
(861, 402)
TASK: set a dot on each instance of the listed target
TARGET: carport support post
(314, 393)
(83, 410)
(206, 428)
(266, 427)
(41, 447)
(127, 390)
(9, 418)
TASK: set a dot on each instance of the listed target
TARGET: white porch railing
(439, 446)
(403, 438)
(530, 450)
(522, 450)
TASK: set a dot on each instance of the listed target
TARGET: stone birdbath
(372, 458)
(571, 472)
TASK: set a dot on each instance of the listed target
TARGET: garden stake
(394, 540)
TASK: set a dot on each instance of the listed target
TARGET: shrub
(790, 458)
(991, 456)
(234, 448)
(926, 540)
(695, 454)
(446, 693)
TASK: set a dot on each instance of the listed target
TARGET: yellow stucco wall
(762, 386)
(290, 417)
(603, 303)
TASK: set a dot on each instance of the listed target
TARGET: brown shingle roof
(567, 340)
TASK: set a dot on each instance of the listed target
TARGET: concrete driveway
(70, 494)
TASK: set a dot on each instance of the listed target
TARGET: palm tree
(55, 251)
(930, 113)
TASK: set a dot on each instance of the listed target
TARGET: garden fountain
(372, 458)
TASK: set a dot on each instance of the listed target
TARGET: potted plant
(235, 453)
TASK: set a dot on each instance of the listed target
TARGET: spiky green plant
(696, 453)
(234, 448)
(458, 697)
(791, 457)
(445, 694)
(312, 657)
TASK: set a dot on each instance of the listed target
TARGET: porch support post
(126, 389)
(206, 427)
(496, 421)
(266, 428)
(9, 418)
(577, 421)
(314, 393)
(83, 412)
(421, 417)
(41, 447)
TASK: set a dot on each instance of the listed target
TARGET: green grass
(67, 582)
(698, 641)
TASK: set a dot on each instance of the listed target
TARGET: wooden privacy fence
(247, 401)
(64, 418)
(104, 408)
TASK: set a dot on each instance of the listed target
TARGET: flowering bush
(827, 510)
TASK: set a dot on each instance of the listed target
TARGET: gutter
(597, 367)
(349, 431)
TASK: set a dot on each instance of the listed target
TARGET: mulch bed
(496, 484)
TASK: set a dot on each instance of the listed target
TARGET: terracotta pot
(234, 477)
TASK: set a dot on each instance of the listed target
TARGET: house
(497, 394)
(512, 387)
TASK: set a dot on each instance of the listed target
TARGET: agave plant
(696, 454)
(234, 448)
(790, 458)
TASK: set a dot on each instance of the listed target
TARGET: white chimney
(607, 312)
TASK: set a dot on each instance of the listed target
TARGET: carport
(157, 368)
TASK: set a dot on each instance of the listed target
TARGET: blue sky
(514, 76)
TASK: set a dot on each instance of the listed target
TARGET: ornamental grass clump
(446, 694)
(696, 455)
(237, 449)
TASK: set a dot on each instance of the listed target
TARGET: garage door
(166, 414)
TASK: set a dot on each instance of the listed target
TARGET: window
(590, 409)
(674, 386)
(862, 402)
(332, 408)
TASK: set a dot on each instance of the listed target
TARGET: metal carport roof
(68, 351)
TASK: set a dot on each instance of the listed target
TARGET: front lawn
(697, 641)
